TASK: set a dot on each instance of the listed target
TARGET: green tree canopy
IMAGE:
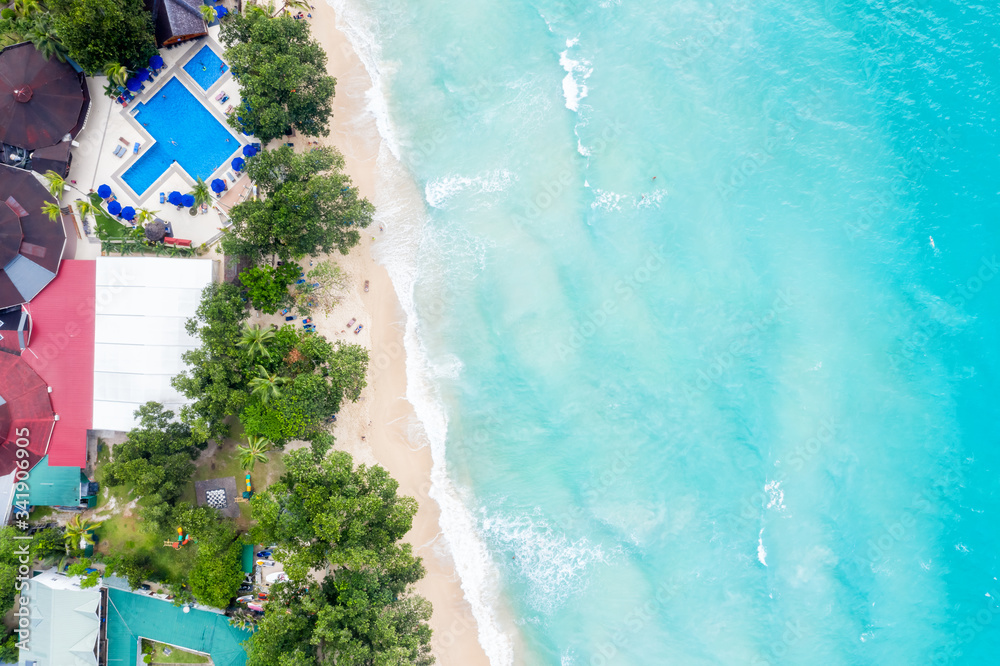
(267, 286)
(309, 207)
(331, 513)
(216, 378)
(282, 75)
(97, 32)
(157, 456)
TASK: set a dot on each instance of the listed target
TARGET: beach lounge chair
(135, 149)
(220, 95)
(123, 140)
(289, 318)
(224, 99)
(230, 176)
(229, 109)
(163, 198)
(118, 151)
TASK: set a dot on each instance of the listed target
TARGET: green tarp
(133, 616)
(247, 559)
(53, 486)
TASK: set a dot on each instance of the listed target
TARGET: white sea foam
(604, 200)
(555, 564)
(761, 551)
(478, 574)
(440, 191)
(776, 496)
(577, 72)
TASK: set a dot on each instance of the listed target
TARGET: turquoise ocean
(704, 301)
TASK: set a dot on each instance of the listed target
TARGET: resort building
(176, 21)
(65, 622)
(44, 104)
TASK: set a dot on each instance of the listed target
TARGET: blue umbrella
(188, 200)
(156, 62)
(142, 74)
(133, 84)
(114, 208)
(238, 163)
(128, 213)
(175, 198)
(218, 185)
(220, 12)
(249, 150)
(104, 191)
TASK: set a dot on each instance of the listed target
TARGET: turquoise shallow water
(713, 321)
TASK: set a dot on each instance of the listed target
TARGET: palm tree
(202, 195)
(45, 39)
(207, 13)
(85, 208)
(77, 533)
(117, 73)
(301, 5)
(56, 183)
(255, 340)
(25, 8)
(51, 209)
(254, 452)
(267, 386)
(144, 215)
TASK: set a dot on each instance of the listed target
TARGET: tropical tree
(207, 13)
(301, 5)
(77, 534)
(97, 32)
(116, 73)
(51, 209)
(266, 385)
(255, 340)
(43, 36)
(282, 74)
(254, 452)
(144, 215)
(56, 183)
(202, 194)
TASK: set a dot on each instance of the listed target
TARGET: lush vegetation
(282, 75)
(267, 286)
(309, 207)
(329, 516)
(283, 384)
(98, 32)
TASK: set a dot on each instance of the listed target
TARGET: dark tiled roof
(176, 18)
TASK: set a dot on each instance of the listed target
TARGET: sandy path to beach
(381, 427)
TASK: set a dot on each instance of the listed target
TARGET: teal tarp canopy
(53, 486)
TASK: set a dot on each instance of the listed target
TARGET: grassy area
(176, 656)
(121, 531)
(107, 226)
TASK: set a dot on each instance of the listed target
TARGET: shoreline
(382, 427)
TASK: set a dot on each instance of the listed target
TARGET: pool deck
(94, 162)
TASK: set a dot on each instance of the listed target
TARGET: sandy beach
(381, 427)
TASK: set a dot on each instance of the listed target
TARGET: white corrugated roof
(142, 304)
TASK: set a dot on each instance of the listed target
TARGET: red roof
(62, 352)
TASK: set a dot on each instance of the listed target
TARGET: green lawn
(176, 656)
(120, 532)
(107, 226)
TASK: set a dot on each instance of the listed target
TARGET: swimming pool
(205, 67)
(185, 131)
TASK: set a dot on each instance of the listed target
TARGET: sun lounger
(230, 176)
(163, 198)
(123, 140)
(224, 99)
(289, 318)
(135, 148)
(119, 151)
(229, 109)
(220, 95)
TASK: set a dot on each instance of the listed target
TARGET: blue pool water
(205, 67)
(184, 131)
(742, 414)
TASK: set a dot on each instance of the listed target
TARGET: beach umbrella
(238, 163)
(142, 74)
(175, 198)
(114, 208)
(249, 150)
(156, 230)
(104, 191)
(218, 185)
(133, 84)
(156, 62)
(220, 12)
(187, 200)
(128, 213)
